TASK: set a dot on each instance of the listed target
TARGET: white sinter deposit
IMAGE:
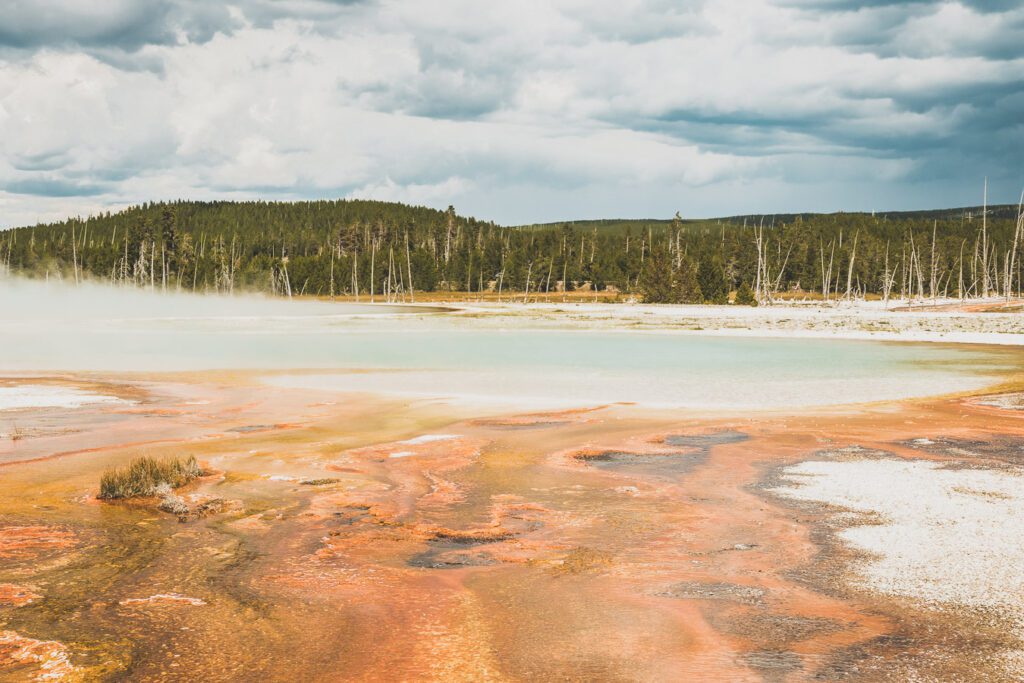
(25, 396)
(946, 536)
(430, 438)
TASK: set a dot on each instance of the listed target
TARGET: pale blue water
(449, 356)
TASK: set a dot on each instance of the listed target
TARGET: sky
(517, 112)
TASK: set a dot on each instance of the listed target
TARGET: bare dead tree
(408, 263)
(74, 253)
(849, 271)
(529, 274)
(1018, 230)
(888, 278)
(760, 262)
(915, 264)
(826, 273)
(355, 273)
(777, 283)
(933, 279)
(448, 237)
(332, 246)
(960, 287)
(984, 242)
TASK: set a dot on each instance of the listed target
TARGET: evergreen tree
(745, 295)
(169, 235)
(687, 289)
(711, 278)
(656, 279)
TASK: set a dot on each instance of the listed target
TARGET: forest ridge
(390, 251)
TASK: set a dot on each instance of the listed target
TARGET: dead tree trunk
(529, 273)
(849, 270)
(408, 263)
(984, 242)
(933, 279)
(826, 273)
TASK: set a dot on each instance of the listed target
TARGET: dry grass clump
(147, 476)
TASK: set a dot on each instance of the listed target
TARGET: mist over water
(61, 326)
(420, 352)
(23, 300)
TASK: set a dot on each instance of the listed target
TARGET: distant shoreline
(996, 321)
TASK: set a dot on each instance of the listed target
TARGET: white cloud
(637, 107)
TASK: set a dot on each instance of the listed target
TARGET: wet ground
(369, 539)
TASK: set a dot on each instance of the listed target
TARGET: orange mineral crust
(379, 539)
(15, 596)
(32, 541)
(35, 660)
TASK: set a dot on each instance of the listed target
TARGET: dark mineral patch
(696, 590)
(695, 450)
(774, 665)
(1000, 448)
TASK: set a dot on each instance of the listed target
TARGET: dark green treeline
(357, 247)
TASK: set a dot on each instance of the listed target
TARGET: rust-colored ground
(386, 540)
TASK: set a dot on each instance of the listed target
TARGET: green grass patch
(143, 476)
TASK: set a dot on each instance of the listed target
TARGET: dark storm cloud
(110, 25)
(855, 5)
(49, 160)
(118, 24)
(265, 12)
(54, 187)
(984, 122)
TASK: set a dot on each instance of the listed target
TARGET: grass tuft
(148, 476)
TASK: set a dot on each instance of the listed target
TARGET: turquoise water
(564, 369)
(425, 344)
(450, 356)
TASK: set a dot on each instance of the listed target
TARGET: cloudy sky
(516, 111)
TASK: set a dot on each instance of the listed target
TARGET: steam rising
(63, 304)
(60, 326)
